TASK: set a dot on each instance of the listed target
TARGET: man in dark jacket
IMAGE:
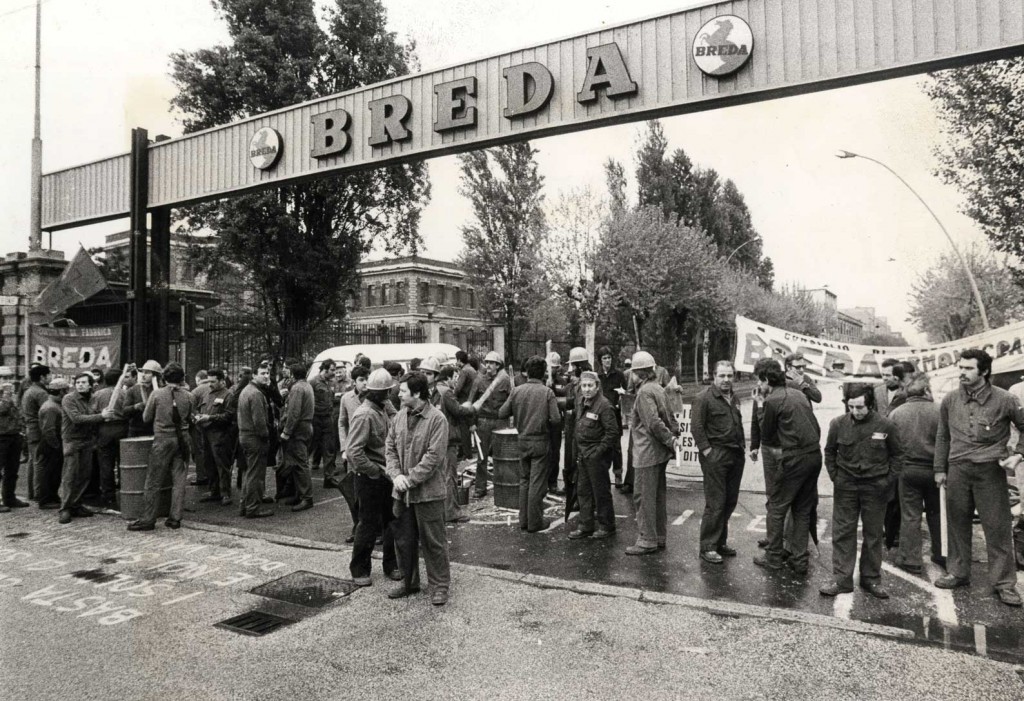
(51, 448)
(31, 402)
(536, 411)
(442, 397)
(252, 418)
(917, 421)
(595, 438)
(613, 386)
(321, 444)
(463, 390)
(110, 402)
(11, 426)
(214, 420)
(494, 386)
(296, 434)
(138, 397)
(78, 436)
(864, 458)
(718, 432)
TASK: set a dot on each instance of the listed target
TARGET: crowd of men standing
(391, 440)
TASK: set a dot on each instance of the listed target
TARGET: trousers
(295, 461)
(594, 490)
(324, 446)
(918, 492)
(553, 455)
(796, 488)
(165, 457)
(534, 472)
(723, 472)
(254, 476)
(49, 469)
(10, 463)
(484, 426)
(980, 486)
(421, 527)
(452, 510)
(218, 448)
(74, 477)
(376, 517)
(865, 501)
(649, 492)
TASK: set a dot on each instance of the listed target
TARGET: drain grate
(254, 623)
(306, 589)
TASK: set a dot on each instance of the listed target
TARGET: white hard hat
(578, 355)
(430, 365)
(441, 357)
(493, 357)
(152, 366)
(642, 360)
(554, 358)
(380, 379)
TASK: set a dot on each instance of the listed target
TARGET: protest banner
(848, 361)
(69, 351)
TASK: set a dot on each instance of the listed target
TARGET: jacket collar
(981, 396)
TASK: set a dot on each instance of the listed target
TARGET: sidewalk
(502, 636)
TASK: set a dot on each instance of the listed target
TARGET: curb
(726, 608)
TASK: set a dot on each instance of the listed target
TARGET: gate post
(138, 312)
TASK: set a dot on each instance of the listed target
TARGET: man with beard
(296, 434)
(368, 430)
(78, 436)
(415, 453)
(718, 432)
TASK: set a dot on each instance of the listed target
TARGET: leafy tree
(943, 306)
(789, 308)
(298, 246)
(659, 269)
(983, 110)
(503, 244)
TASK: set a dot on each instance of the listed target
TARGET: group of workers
(894, 445)
(391, 441)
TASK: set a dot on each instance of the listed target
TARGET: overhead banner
(838, 360)
(70, 351)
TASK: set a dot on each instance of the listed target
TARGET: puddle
(17, 535)
(98, 576)
(1001, 643)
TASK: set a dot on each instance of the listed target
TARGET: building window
(424, 292)
(400, 293)
(456, 296)
(369, 296)
(384, 294)
(441, 298)
(471, 293)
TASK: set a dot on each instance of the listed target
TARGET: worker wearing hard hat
(654, 432)
(50, 456)
(498, 387)
(138, 396)
(443, 397)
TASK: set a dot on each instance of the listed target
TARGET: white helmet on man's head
(430, 364)
(380, 379)
(152, 366)
(642, 360)
(493, 357)
(578, 355)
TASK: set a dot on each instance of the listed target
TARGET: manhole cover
(306, 589)
(254, 623)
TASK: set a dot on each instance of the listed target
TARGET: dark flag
(80, 280)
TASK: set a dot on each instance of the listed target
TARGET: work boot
(225, 501)
(396, 575)
(82, 512)
(65, 516)
(400, 592)
(949, 581)
(362, 581)
(834, 589)
(577, 534)
(303, 505)
(259, 513)
(711, 556)
(209, 498)
(173, 523)
(267, 500)
(640, 550)
(6, 509)
(439, 597)
(139, 526)
(49, 505)
(602, 533)
(875, 589)
(1010, 597)
(15, 503)
(726, 551)
(763, 561)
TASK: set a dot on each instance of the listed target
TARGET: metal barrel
(505, 451)
(134, 465)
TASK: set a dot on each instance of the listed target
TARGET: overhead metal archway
(719, 54)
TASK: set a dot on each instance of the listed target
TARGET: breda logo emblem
(265, 148)
(723, 45)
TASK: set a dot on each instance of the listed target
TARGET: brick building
(416, 290)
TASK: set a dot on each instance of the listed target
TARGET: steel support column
(138, 312)
(160, 273)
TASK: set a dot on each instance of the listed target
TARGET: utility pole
(35, 236)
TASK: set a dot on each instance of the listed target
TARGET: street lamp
(970, 276)
(738, 248)
(430, 307)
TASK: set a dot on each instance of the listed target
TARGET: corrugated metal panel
(798, 45)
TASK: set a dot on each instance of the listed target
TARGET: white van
(381, 353)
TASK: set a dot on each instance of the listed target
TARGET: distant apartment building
(413, 289)
(872, 323)
(840, 325)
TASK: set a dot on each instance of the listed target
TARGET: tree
(298, 246)
(657, 268)
(503, 243)
(568, 252)
(943, 306)
(788, 308)
(983, 110)
(113, 264)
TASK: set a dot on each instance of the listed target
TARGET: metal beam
(138, 311)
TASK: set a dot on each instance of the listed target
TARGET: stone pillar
(433, 330)
(590, 336)
(24, 276)
(498, 332)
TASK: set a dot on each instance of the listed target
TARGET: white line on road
(843, 606)
(328, 501)
(682, 517)
(942, 599)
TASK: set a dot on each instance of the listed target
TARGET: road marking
(942, 599)
(843, 606)
(757, 525)
(682, 517)
(980, 640)
(328, 501)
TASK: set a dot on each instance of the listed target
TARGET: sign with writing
(723, 45)
(68, 352)
(838, 360)
(687, 454)
(265, 148)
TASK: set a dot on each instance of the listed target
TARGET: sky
(824, 221)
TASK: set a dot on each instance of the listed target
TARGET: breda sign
(723, 45)
(265, 148)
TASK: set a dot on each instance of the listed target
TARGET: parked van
(381, 353)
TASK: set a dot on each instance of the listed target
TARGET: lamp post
(734, 251)
(963, 262)
(430, 308)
